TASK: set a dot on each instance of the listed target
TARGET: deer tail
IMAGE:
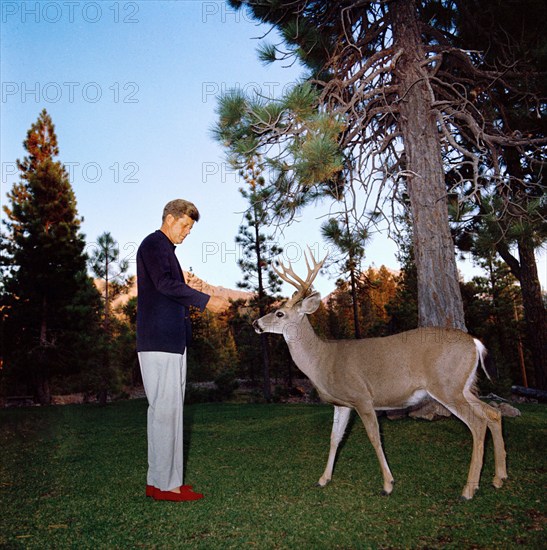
(485, 360)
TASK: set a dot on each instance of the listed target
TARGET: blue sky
(131, 88)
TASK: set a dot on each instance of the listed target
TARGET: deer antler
(302, 286)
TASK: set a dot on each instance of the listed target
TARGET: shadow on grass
(189, 416)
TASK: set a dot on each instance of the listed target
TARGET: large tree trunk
(264, 340)
(525, 270)
(42, 392)
(534, 311)
(355, 304)
(40, 380)
(439, 298)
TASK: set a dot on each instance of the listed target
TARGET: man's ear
(310, 303)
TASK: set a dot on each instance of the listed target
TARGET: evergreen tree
(213, 350)
(105, 264)
(44, 283)
(376, 291)
(368, 90)
(402, 87)
(350, 244)
(403, 308)
(340, 320)
(379, 290)
(240, 318)
(494, 314)
(129, 315)
(257, 251)
(510, 211)
(487, 231)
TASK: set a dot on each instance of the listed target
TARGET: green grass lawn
(74, 477)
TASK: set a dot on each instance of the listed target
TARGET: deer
(384, 373)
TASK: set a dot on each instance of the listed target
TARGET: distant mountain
(193, 281)
(226, 294)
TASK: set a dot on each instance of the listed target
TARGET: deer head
(303, 302)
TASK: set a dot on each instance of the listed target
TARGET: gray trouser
(164, 378)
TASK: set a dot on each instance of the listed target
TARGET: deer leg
(368, 416)
(341, 418)
(493, 420)
(494, 424)
(478, 430)
(469, 410)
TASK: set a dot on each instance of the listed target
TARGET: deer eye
(279, 314)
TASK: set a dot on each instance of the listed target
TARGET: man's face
(177, 229)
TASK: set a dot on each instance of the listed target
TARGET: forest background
(61, 333)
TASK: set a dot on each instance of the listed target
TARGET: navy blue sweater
(163, 297)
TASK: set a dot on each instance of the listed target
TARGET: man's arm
(156, 263)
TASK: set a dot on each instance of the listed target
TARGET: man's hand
(216, 304)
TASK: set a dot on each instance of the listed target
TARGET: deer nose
(257, 327)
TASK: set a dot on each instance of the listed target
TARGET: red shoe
(150, 489)
(185, 494)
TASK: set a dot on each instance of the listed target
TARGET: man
(163, 333)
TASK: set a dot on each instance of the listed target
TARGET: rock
(431, 410)
(70, 399)
(506, 409)
(509, 410)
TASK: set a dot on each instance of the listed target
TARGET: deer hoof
(468, 491)
(498, 482)
(386, 492)
(322, 484)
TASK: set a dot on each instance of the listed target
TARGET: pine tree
(367, 91)
(214, 347)
(257, 251)
(44, 265)
(394, 89)
(489, 231)
(105, 264)
(350, 243)
(403, 308)
(380, 288)
(494, 314)
(510, 211)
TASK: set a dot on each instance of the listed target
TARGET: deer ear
(310, 303)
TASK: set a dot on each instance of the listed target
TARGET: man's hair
(178, 208)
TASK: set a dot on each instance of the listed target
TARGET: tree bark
(264, 341)
(535, 317)
(355, 304)
(525, 270)
(534, 311)
(439, 298)
(42, 392)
